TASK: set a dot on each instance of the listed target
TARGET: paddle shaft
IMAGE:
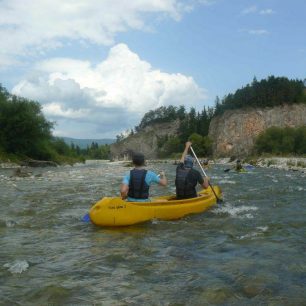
(218, 200)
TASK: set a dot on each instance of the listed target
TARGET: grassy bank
(6, 158)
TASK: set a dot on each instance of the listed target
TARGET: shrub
(279, 141)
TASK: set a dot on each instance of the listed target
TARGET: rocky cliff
(145, 141)
(235, 131)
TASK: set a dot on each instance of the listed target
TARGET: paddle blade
(217, 198)
(226, 170)
(86, 218)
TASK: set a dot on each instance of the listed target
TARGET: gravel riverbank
(283, 163)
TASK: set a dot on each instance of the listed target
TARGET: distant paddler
(205, 163)
(238, 167)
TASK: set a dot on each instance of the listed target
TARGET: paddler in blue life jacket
(187, 178)
(135, 185)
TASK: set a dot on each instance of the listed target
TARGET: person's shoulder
(126, 178)
(196, 172)
(151, 176)
(151, 173)
(127, 173)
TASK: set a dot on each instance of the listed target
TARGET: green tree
(201, 145)
(300, 140)
(173, 145)
(24, 129)
(269, 92)
(278, 141)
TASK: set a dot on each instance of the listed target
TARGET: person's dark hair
(138, 159)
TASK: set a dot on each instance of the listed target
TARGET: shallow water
(250, 250)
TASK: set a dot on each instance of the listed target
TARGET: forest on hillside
(270, 92)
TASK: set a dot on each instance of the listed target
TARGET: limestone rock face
(145, 141)
(235, 131)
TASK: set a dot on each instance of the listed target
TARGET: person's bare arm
(187, 146)
(206, 182)
(124, 189)
(163, 180)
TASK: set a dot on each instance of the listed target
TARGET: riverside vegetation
(25, 133)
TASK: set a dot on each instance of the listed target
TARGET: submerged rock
(22, 172)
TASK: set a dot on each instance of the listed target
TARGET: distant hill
(83, 143)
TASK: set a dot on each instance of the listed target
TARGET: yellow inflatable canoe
(111, 211)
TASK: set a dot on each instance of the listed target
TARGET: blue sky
(97, 66)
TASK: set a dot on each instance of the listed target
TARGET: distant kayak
(234, 170)
(245, 169)
(113, 211)
(249, 167)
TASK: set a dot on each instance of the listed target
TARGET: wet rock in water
(52, 295)
(216, 295)
(253, 287)
(22, 172)
(39, 163)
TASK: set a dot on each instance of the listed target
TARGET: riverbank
(32, 163)
(283, 163)
(7, 165)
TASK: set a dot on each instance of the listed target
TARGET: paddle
(86, 218)
(218, 199)
(227, 170)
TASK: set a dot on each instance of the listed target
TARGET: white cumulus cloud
(255, 10)
(108, 97)
(266, 12)
(31, 28)
(258, 32)
(249, 10)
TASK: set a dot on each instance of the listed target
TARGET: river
(249, 250)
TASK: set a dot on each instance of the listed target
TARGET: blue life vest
(138, 188)
(184, 187)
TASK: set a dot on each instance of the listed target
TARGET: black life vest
(184, 187)
(138, 188)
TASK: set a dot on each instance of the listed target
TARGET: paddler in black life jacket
(187, 178)
(238, 166)
(135, 185)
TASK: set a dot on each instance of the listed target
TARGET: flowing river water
(249, 250)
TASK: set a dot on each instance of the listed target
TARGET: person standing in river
(136, 184)
(187, 178)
